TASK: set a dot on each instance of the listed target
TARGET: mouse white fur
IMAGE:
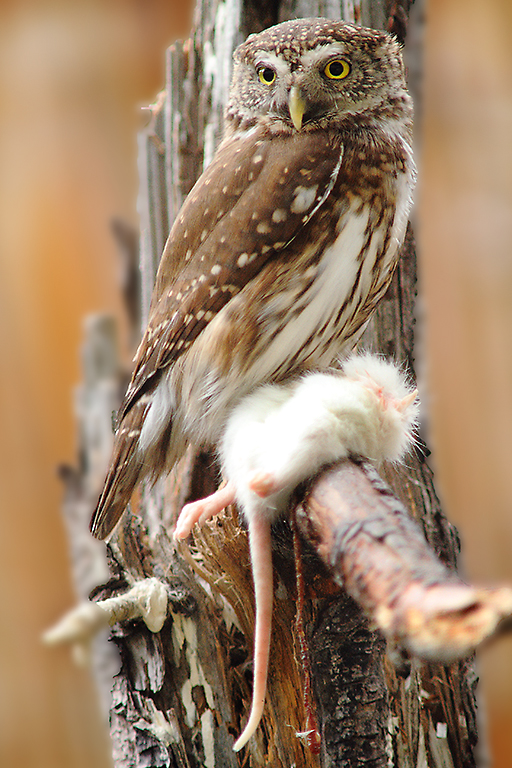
(283, 434)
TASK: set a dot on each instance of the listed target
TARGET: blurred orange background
(72, 79)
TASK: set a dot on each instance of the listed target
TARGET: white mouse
(281, 435)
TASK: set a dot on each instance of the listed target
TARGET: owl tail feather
(261, 557)
(123, 476)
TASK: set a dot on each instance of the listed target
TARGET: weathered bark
(184, 692)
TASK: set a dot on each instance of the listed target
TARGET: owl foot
(203, 509)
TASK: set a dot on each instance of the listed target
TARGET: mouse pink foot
(203, 509)
(386, 399)
(263, 483)
(403, 404)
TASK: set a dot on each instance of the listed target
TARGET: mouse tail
(261, 559)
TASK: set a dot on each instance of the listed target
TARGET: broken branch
(146, 600)
(378, 553)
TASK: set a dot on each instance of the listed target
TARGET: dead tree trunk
(182, 693)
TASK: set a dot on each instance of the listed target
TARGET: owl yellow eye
(266, 75)
(337, 69)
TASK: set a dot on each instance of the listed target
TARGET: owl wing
(251, 202)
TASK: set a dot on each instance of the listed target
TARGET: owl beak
(297, 107)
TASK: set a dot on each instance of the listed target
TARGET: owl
(283, 247)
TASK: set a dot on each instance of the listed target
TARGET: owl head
(309, 74)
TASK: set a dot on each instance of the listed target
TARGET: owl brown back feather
(123, 475)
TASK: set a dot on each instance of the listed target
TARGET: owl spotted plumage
(283, 247)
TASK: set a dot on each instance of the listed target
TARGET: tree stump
(182, 693)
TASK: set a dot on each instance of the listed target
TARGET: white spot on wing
(279, 215)
(304, 199)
